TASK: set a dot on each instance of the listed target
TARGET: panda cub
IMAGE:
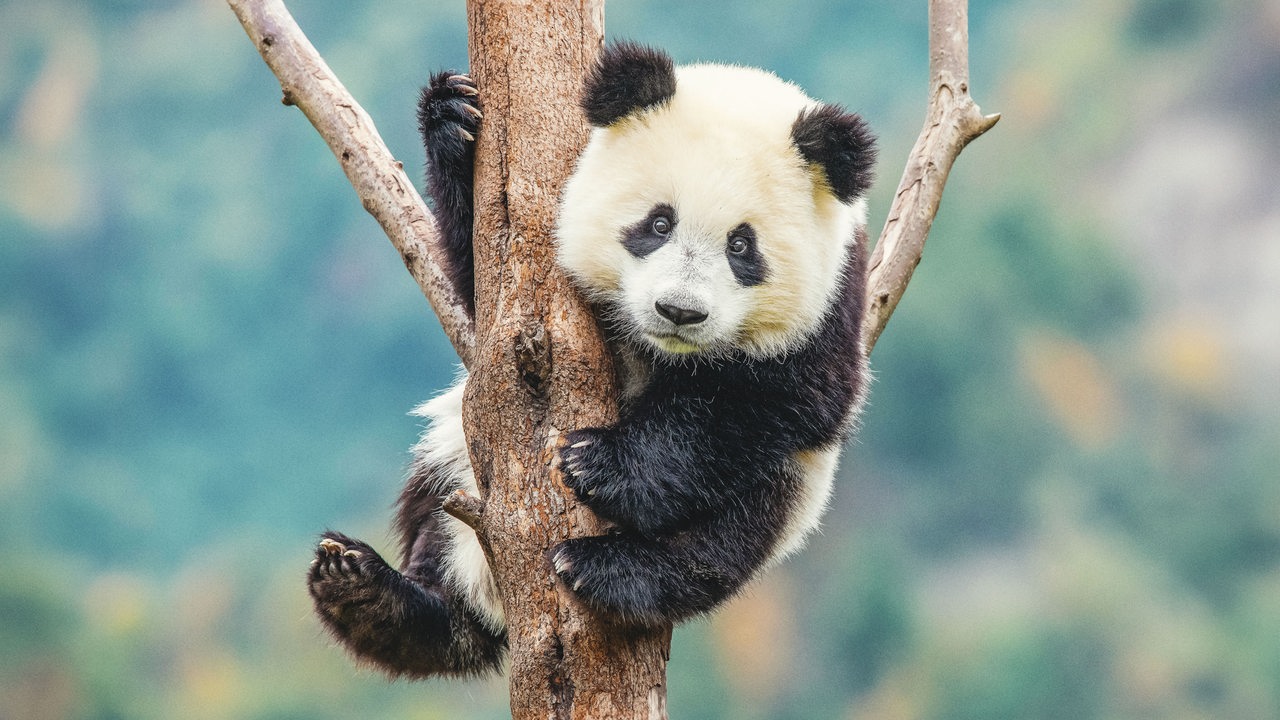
(716, 220)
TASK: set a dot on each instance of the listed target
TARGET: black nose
(679, 315)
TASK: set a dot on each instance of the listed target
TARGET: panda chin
(673, 344)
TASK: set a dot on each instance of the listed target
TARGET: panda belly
(444, 446)
(816, 469)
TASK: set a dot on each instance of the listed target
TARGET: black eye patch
(745, 260)
(650, 233)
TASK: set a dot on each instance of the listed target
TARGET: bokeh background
(1063, 504)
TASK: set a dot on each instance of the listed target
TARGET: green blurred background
(1063, 503)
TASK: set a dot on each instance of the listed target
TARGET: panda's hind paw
(345, 572)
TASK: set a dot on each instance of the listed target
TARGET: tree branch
(378, 178)
(953, 120)
(540, 366)
(467, 508)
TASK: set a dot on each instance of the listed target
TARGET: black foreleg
(666, 579)
(449, 120)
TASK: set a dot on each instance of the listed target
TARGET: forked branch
(953, 121)
(574, 667)
(378, 178)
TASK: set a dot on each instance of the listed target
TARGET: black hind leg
(404, 626)
(449, 119)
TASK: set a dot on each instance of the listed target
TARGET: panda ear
(626, 79)
(841, 143)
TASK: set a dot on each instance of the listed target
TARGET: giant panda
(716, 221)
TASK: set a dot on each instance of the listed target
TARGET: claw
(462, 78)
(581, 444)
(561, 563)
(466, 135)
(332, 547)
(353, 554)
(577, 584)
(473, 110)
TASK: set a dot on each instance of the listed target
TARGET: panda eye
(661, 225)
(738, 245)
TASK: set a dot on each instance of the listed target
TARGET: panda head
(713, 207)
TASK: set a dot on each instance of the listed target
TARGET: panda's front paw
(626, 579)
(566, 565)
(583, 565)
(449, 112)
(585, 464)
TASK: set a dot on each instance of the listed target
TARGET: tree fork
(539, 367)
(378, 178)
(952, 121)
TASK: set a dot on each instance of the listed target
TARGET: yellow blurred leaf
(1075, 387)
(753, 636)
(1189, 355)
(117, 603)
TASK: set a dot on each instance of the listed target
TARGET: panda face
(688, 288)
(699, 225)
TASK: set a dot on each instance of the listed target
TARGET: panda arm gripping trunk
(597, 674)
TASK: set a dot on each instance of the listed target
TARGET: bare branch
(952, 122)
(542, 366)
(467, 508)
(378, 178)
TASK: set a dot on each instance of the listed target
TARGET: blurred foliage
(1063, 502)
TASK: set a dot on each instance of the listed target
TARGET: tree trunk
(540, 368)
(538, 365)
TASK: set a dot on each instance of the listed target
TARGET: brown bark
(540, 360)
(539, 367)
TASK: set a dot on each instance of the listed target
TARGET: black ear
(627, 78)
(841, 143)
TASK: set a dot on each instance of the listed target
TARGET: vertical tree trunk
(540, 367)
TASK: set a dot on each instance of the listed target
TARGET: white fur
(444, 445)
(818, 467)
(719, 152)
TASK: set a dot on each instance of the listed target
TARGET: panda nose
(679, 315)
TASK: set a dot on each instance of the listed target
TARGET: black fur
(641, 239)
(842, 144)
(408, 623)
(626, 79)
(448, 131)
(698, 472)
(698, 475)
(412, 622)
(749, 267)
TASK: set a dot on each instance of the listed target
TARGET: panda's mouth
(672, 343)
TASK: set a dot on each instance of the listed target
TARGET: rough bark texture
(541, 361)
(539, 367)
(952, 122)
(378, 178)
